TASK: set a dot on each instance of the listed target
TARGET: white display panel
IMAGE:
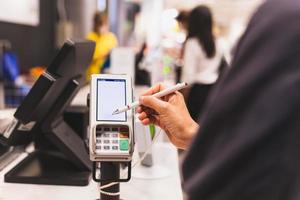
(111, 95)
(122, 61)
(20, 11)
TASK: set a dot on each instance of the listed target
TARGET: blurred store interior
(141, 38)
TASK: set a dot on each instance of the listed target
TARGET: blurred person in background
(201, 59)
(182, 20)
(105, 42)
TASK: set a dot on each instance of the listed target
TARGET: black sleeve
(249, 140)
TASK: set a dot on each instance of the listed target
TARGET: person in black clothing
(142, 76)
(248, 141)
(202, 59)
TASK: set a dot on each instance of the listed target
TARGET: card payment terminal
(111, 136)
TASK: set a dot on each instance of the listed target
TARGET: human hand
(170, 113)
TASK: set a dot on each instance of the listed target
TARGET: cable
(147, 150)
(108, 193)
(134, 165)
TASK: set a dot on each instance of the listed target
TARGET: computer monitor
(60, 155)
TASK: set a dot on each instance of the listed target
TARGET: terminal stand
(59, 162)
(59, 150)
(109, 173)
(47, 168)
(110, 170)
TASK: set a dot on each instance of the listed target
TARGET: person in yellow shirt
(105, 42)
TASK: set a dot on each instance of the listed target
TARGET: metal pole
(2, 97)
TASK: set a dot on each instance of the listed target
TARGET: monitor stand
(60, 158)
(53, 168)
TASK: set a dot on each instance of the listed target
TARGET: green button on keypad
(124, 145)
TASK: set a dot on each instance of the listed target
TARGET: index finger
(154, 89)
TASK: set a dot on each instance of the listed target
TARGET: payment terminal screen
(111, 95)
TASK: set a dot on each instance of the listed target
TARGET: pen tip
(115, 112)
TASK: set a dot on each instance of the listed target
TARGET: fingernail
(141, 99)
(139, 109)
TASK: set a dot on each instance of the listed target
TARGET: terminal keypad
(112, 139)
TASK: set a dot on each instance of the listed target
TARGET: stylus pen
(160, 94)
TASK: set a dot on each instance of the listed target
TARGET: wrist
(190, 131)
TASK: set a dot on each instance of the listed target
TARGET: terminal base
(49, 168)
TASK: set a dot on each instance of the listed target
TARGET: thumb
(154, 103)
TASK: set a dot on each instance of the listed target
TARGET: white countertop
(167, 188)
